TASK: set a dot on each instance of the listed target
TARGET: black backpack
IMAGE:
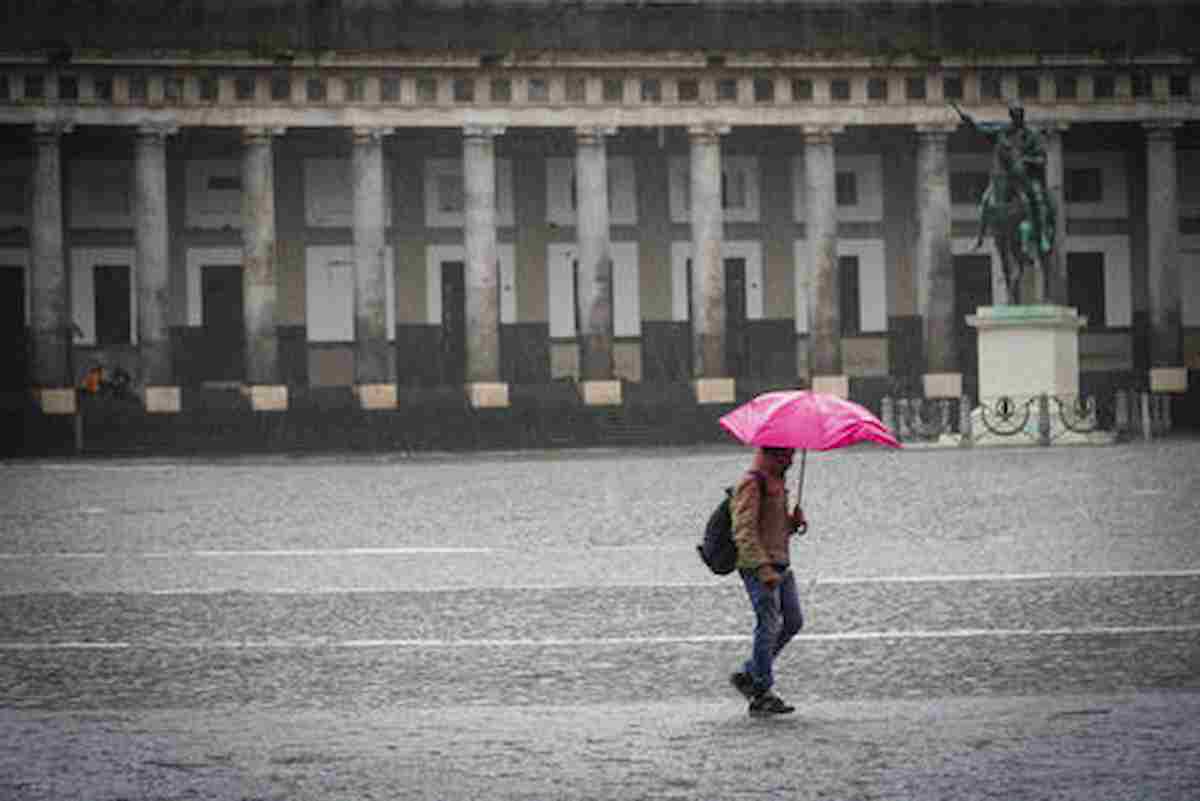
(717, 549)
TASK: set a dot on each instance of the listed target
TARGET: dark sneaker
(744, 684)
(768, 704)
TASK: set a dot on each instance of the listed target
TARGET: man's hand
(769, 576)
(798, 521)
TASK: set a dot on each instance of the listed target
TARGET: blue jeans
(777, 620)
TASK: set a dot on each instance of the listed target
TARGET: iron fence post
(1044, 419)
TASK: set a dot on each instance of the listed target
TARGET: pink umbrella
(806, 420)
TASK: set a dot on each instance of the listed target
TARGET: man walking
(762, 529)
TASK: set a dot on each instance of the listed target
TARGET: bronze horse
(1006, 210)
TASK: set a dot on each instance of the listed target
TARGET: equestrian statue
(1015, 207)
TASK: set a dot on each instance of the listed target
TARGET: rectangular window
(802, 90)
(281, 88)
(1066, 87)
(877, 89)
(172, 89)
(112, 304)
(952, 87)
(1085, 185)
(839, 89)
(356, 89)
(764, 90)
(1140, 84)
(847, 189)
(733, 190)
(727, 90)
(1104, 87)
(68, 88)
(35, 87)
(13, 196)
(689, 90)
(914, 88)
(990, 86)
(848, 289)
(224, 183)
(5, 91)
(450, 193)
(967, 187)
(1181, 85)
(539, 90)
(208, 88)
(651, 90)
(1085, 286)
(501, 90)
(1027, 86)
(576, 90)
(139, 89)
(103, 88)
(389, 89)
(614, 90)
(464, 90)
(243, 87)
(314, 88)
(427, 90)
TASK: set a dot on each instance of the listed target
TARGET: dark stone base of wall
(551, 415)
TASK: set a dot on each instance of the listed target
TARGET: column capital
(593, 134)
(708, 131)
(935, 130)
(367, 135)
(261, 134)
(156, 132)
(1162, 130)
(820, 134)
(480, 131)
(52, 130)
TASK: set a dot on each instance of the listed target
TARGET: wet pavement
(979, 624)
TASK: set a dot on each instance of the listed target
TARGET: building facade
(499, 196)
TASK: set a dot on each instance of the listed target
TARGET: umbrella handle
(800, 490)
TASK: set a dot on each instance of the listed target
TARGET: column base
(837, 385)
(373, 397)
(487, 394)
(267, 397)
(162, 400)
(715, 390)
(600, 393)
(56, 400)
(1168, 379)
(942, 385)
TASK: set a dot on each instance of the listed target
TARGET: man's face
(782, 457)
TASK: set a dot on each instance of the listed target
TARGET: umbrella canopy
(806, 420)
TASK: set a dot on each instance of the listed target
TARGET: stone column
(820, 224)
(1055, 284)
(151, 233)
(50, 307)
(259, 291)
(484, 387)
(594, 290)
(374, 360)
(1167, 373)
(708, 269)
(935, 263)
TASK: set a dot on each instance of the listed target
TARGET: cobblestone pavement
(980, 624)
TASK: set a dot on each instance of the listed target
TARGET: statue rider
(1019, 153)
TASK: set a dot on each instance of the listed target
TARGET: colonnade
(374, 362)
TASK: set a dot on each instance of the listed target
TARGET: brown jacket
(761, 531)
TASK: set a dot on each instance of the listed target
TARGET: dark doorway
(223, 355)
(14, 363)
(972, 289)
(113, 307)
(454, 324)
(737, 335)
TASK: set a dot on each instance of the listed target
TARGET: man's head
(1016, 113)
(781, 458)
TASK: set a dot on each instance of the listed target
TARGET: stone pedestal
(267, 397)
(487, 394)
(600, 393)
(162, 400)
(373, 397)
(56, 400)
(714, 390)
(838, 385)
(1027, 350)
